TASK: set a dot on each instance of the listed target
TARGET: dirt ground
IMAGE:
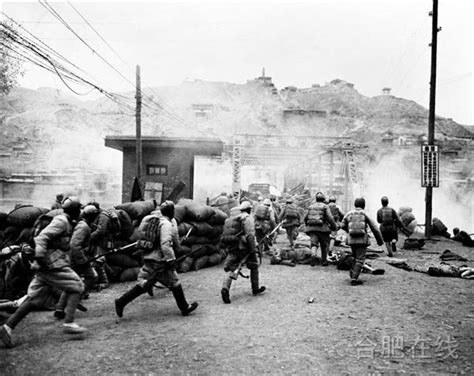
(400, 323)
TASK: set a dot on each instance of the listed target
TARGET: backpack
(41, 222)
(291, 211)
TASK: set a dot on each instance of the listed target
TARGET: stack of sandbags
(408, 219)
(201, 226)
(123, 266)
(18, 224)
(137, 210)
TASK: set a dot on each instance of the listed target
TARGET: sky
(370, 43)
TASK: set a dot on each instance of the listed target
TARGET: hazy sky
(371, 43)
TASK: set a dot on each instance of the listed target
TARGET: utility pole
(431, 120)
(138, 119)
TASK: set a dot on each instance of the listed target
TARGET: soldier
(276, 206)
(158, 263)
(337, 214)
(355, 223)
(52, 271)
(291, 221)
(222, 203)
(319, 223)
(264, 224)
(389, 221)
(18, 273)
(79, 245)
(243, 244)
(59, 199)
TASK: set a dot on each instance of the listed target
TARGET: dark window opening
(161, 170)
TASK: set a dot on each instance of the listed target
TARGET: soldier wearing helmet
(80, 252)
(53, 271)
(291, 220)
(244, 244)
(337, 214)
(319, 223)
(389, 224)
(355, 223)
(264, 217)
(158, 266)
(57, 204)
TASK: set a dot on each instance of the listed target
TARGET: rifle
(238, 271)
(267, 236)
(113, 251)
(6, 256)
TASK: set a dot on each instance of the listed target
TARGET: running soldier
(52, 268)
(319, 223)
(239, 236)
(291, 221)
(389, 222)
(264, 224)
(355, 223)
(159, 265)
(337, 214)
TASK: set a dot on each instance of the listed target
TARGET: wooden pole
(431, 120)
(138, 119)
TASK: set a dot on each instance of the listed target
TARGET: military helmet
(332, 198)
(384, 200)
(90, 210)
(71, 203)
(267, 202)
(245, 205)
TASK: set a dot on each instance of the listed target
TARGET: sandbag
(3, 220)
(404, 209)
(438, 226)
(129, 274)
(184, 227)
(138, 209)
(218, 218)
(25, 215)
(200, 262)
(216, 232)
(183, 250)
(179, 213)
(214, 259)
(126, 225)
(196, 211)
(407, 217)
(185, 265)
(122, 260)
(54, 212)
(234, 211)
(202, 228)
(211, 249)
(199, 250)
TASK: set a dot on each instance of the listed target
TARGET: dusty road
(402, 322)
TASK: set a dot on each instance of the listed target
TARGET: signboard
(429, 166)
(236, 162)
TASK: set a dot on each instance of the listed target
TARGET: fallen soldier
(344, 261)
(463, 237)
(447, 270)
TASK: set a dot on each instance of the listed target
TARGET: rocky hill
(53, 130)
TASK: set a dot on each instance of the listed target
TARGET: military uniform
(291, 221)
(264, 224)
(355, 222)
(241, 242)
(158, 263)
(318, 225)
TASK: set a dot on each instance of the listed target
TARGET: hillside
(59, 131)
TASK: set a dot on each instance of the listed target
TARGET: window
(161, 170)
(154, 191)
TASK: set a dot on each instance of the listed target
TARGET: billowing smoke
(400, 181)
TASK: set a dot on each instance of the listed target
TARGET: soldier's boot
(394, 246)
(388, 245)
(226, 289)
(256, 288)
(355, 273)
(324, 257)
(6, 330)
(183, 305)
(69, 326)
(314, 259)
(126, 298)
(60, 305)
(103, 280)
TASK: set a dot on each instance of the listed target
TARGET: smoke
(397, 176)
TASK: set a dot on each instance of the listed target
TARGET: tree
(10, 66)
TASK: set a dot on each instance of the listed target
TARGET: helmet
(359, 202)
(267, 202)
(289, 200)
(320, 197)
(90, 210)
(384, 200)
(167, 208)
(332, 198)
(71, 206)
(60, 196)
(245, 205)
(260, 198)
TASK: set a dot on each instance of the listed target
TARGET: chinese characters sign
(429, 166)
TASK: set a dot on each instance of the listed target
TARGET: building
(167, 163)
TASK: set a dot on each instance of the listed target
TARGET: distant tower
(386, 91)
(263, 72)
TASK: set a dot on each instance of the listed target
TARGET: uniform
(158, 261)
(291, 221)
(355, 222)
(318, 225)
(264, 224)
(389, 223)
(241, 243)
